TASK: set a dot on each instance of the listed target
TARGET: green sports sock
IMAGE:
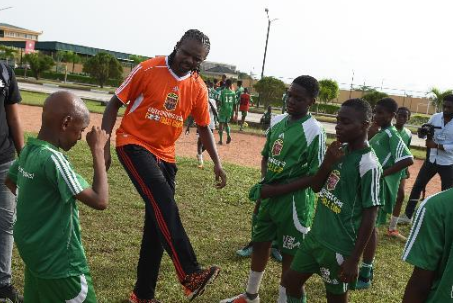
(228, 131)
(274, 244)
(296, 300)
(365, 270)
(220, 135)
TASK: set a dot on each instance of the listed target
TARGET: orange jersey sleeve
(132, 85)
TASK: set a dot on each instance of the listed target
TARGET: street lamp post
(269, 21)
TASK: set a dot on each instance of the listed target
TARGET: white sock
(253, 284)
(393, 223)
(282, 298)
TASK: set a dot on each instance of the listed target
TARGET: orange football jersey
(158, 102)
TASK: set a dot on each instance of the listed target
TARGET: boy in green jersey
(430, 249)
(403, 115)
(47, 188)
(227, 104)
(293, 151)
(348, 183)
(394, 157)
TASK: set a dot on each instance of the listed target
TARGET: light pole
(269, 21)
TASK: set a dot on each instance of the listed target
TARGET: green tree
(102, 67)
(437, 97)
(373, 96)
(328, 90)
(7, 53)
(270, 90)
(242, 76)
(71, 57)
(39, 63)
(137, 59)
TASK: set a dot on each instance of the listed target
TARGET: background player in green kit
(349, 184)
(227, 103)
(293, 151)
(430, 249)
(394, 157)
(47, 230)
(403, 115)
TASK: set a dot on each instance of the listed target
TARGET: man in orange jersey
(159, 94)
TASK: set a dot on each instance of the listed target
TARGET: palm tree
(437, 96)
(7, 53)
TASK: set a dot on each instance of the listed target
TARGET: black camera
(426, 131)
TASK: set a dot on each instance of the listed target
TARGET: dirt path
(244, 149)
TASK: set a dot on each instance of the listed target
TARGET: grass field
(37, 99)
(218, 223)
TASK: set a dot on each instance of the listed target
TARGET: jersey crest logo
(171, 101)
(333, 179)
(277, 147)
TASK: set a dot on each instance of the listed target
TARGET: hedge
(71, 77)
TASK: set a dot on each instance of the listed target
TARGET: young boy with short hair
(293, 151)
(394, 157)
(403, 115)
(47, 230)
(348, 183)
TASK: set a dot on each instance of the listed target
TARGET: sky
(402, 46)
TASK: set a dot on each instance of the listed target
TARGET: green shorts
(244, 113)
(315, 258)
(225, 117)
(282, 220)
(72, 289)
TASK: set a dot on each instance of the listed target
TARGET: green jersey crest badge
(333, 179)
(277, 147)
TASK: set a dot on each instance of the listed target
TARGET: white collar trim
(173, 73)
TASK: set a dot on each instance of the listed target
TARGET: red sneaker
(134, 299)
(195, 284)
(396, 234)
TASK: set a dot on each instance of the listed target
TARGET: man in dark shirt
(11, 141)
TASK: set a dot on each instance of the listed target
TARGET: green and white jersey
(293, 150)
(227, 102)
(216, 93)
(390, 149)
(239, 92)
(430, 244)
(212, 93)
(406, 135)
(353, 185)
(47, 230)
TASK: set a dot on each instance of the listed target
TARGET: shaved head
(61, 105)
(64, 118)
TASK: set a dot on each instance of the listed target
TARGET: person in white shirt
(440, 159)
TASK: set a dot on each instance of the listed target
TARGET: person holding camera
(439, 160)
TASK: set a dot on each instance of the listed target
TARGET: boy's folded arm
(400, 165)
(10, 185)
(98, 195)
